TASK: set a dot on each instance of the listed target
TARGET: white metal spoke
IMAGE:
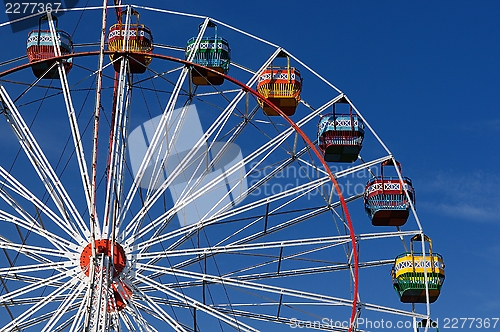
(57, 241)
(26, 249)
(214, 129)
(32, 287)
(116, 153)
(153, 147)
(77, 323)
(65, 306)
(160, 160)
(27, 301)
(75, 131)
(284, 273)
(161, 313)
(300, 190)
(98, 317)
(42, 167)
(18, 188)
(27, 221)
(178, 170)
(191, 186)
(35, 321)
(133, 312)
(47, 300)
(94, 225)
(196, 304)
(24, 279)
(27, 218)
(166, 216)
(280, 226)
(246, 284)
(267, 149)
(326, 299)
(207, 253)
(245, 247)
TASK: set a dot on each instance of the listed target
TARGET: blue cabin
(212, 52)
(40, 46)
(340, 137)
(385, 199)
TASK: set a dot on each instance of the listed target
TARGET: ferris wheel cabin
(212, 52)
(40, 46)
(340, 136)
(385, 198)
(413, 274)
(134, 38)
(281, 86)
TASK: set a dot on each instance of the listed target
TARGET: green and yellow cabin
(413, 275)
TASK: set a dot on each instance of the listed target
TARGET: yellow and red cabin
(40, 46)
(134, 38)
(282, 87)
(386, 202)
(414, 275)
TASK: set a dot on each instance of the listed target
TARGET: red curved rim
(268, 103)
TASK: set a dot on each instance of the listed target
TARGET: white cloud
(482, 125)
(472, 196)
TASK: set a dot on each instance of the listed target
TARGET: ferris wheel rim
(354, 241)
(250, 90)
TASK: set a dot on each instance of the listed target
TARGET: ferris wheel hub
(104, 247)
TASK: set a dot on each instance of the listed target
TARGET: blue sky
(426, 75)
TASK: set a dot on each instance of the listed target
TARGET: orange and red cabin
(281, 86)
(386, 202)
(40, 46)
(134, 38)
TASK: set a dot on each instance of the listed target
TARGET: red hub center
(117, 254)
(104, 247)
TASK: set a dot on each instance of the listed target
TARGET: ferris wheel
(207, 180)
